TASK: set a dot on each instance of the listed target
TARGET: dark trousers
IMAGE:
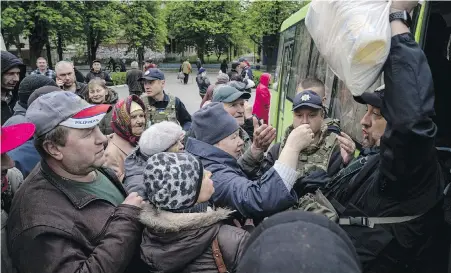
(185, 80)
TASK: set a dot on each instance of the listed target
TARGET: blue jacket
(233, 189)
(25, 157)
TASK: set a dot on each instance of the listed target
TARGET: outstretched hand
(264, 135)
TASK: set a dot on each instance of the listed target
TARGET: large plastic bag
(353, 37)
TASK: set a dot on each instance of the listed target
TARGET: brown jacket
(181, 242)
(54, 227)
(115, 153)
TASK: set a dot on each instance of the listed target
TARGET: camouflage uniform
(155, 115)
(317, 155)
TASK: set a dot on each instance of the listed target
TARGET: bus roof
(294, 18)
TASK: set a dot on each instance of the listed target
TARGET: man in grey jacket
(219, 147)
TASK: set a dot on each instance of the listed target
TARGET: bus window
(302, 55)
(318, 65)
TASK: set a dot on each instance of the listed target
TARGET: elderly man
(72, 215)
(132, 80)
(65, 78)
(11, 73)
(43, 69)
(389, 199)
(219, 145)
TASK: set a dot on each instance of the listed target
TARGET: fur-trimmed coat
(181, 242)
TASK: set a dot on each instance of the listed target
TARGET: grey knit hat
(222, 78)
(212, 123)
(173, 180)
(30, 83)
(159, 137)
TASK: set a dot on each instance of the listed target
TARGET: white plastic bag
(353, 37)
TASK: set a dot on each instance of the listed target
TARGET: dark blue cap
(242, 59)
(307, 98)
(152, 74)
(374, 99)
(201, 70)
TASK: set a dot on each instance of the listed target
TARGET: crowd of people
(94, 183)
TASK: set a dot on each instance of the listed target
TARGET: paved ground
(188, 94)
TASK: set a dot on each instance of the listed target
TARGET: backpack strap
(371, 221)
(217, 255)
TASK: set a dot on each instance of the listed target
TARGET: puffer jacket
(115, 153)
(234, 189)
(134, 167)
(111, 98)
(182, 242)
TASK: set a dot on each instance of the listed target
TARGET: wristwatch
(403, 16)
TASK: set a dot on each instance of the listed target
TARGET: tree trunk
(141, 56)
(49, 54)
(59, 47)
(37, 39)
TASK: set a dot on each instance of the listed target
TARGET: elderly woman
(183, 233)
(161, 137)
(128, 123)
(98, 93)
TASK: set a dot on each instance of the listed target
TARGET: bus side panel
(274, 108)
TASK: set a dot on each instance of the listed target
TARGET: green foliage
(118, 77)
(144, 25)
(265, 19)
(210, 26)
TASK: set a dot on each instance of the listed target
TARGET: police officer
(327, 144)
(159, 105)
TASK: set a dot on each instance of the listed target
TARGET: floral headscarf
(121, 121)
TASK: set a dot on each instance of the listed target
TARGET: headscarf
(121, 120)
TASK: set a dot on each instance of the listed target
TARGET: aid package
(353, 36)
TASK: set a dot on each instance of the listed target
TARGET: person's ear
(52, 150)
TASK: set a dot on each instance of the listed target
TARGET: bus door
(284, 81)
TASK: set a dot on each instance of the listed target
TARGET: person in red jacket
(262, 98)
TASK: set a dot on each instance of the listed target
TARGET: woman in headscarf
(128, 123)
(98, 93)
(183, 232)
(165, 136)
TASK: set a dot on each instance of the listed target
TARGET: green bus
(298, 58)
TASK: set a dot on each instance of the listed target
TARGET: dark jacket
(182, 242)
(79, 76)
(131, 79)
(224, 67)
(203, 83)
(54, 227)
(405, 174)
(183, 116)
(18, 117)
(9, 61)
(111, 98)
(134, 166)
(233, 189)
(101, 74)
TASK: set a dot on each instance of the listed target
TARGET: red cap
(15, 135)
